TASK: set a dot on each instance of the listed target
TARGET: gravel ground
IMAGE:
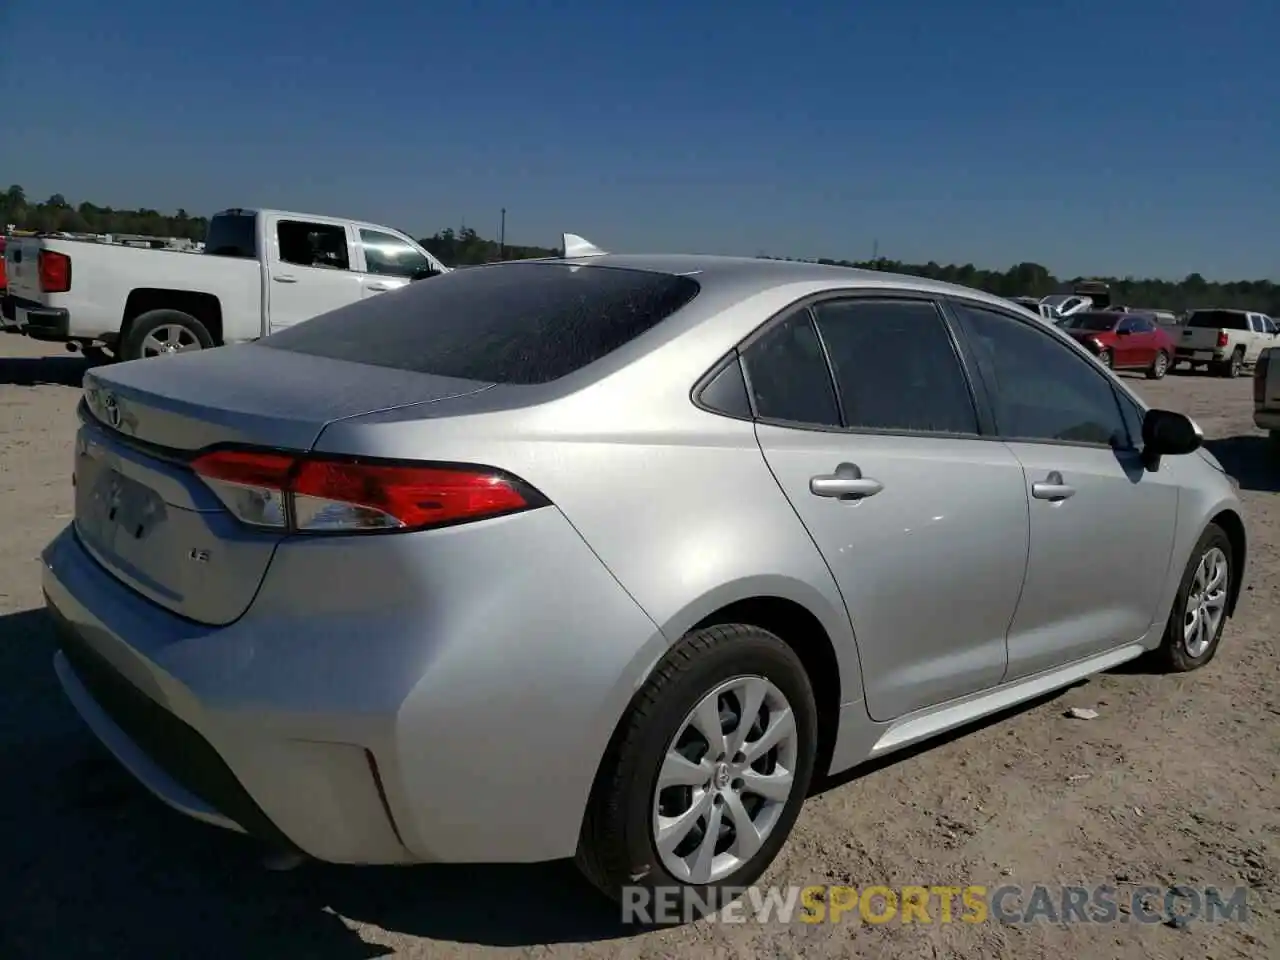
(1173, 782)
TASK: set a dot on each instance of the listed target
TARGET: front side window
(896, 367)
(313, 244)
(788, 374)
(389, 256)
(1041, 389)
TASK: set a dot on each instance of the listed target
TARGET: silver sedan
(609, 556)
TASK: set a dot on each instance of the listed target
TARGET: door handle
(284, 278)
(847, 483)
(377, 287)
(1052, 488)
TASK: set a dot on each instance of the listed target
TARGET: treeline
(466, 247)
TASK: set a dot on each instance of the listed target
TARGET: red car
(1123, 341)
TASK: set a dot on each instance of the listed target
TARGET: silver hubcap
(725, 780)
(1206, 601)
(170, 338)
(1161, 363)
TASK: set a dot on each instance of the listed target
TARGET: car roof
(746, 276)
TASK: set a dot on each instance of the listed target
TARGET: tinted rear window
(1218, 320)
(1095, 322)
(519, 323)
(233, 235)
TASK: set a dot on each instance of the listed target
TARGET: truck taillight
(1260, 377)
(1223, 339)
(54, 270)
(299, 493)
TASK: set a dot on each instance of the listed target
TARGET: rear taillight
(306, 494)
(55, 271)
(1260, 377)
(1223, 339)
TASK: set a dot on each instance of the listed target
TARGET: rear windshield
(1218, 320)
(233, 235)
(1095, 322)
(520, 323)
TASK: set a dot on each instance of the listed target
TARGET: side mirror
(1168, 434)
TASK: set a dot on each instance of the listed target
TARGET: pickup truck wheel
(158, 333)
(1232, 366)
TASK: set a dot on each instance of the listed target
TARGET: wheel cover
(169, 338)
(1162, 363)
(1206, 602)
(725, 780)
(1105, 357)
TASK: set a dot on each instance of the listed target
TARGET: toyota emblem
(111, 409)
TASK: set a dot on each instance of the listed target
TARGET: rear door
(389, 262)
(922, 522)
(310, 270)
(1102, 526)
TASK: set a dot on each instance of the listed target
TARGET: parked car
(1226, 341)
(1123, 341)
(607, 556)
(260, 272)
(1266, 392)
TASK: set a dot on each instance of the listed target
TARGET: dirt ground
(1175, 781)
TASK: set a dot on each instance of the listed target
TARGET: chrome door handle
(847, 483)
(284, 278)
(1052, 488)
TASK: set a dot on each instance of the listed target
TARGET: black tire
(616, 848)
(1172, 655)
(152, 320)
(1160, 366)
(1233, 366)
(1106, 359)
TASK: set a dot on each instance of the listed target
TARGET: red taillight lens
(318, 495)
(1223, 339)
(55, 271)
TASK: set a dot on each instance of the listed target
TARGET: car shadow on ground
(96, 866)
(1253, 459)
(65, 371)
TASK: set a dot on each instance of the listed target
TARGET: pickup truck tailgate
(20, 263)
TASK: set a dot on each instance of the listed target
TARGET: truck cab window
(389, 256)
(313, 244)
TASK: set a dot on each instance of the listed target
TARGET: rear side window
(1218, 320)
(313, 244)
(519, 323)
(789, 376)
(233, 235)
(896, 367)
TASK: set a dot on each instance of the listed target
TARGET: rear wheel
(1199, 613)
(1233, 365)
(1159, 366)
(158, 333)
(707, 771)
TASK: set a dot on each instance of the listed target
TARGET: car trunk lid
(144, 514)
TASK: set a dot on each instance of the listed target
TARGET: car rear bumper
(1194, 355)
(37, 321)
(366, 738)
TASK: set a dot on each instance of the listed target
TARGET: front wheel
(707, 772)
(1194, 630)
(1159, 366)
(1106, 359)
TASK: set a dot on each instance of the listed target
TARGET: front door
(1102, 527)
(923, 525)
(309, 271)
(391, 263)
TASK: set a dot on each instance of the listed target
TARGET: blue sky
(1124, 137)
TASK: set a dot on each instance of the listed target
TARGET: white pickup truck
(260, 271)
(1226, 341)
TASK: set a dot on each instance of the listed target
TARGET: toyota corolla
(609, 556)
